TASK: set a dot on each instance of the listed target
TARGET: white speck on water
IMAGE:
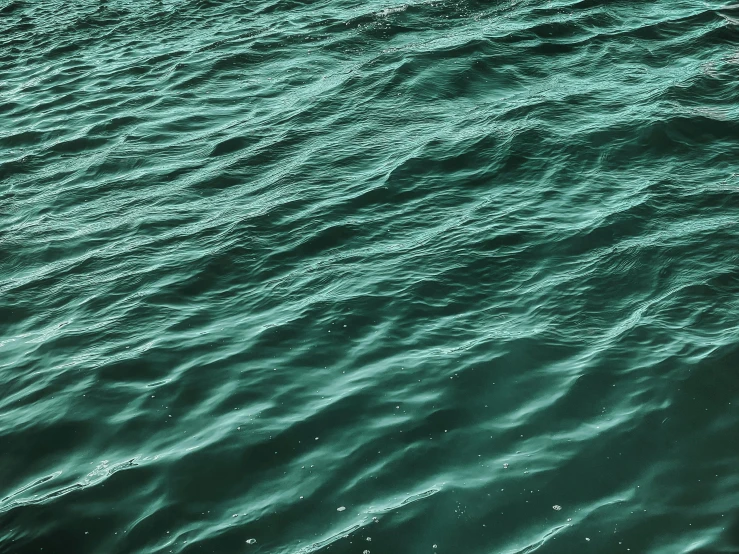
(341, 508)
(369, 539)
(587, 539)
(557, 507)
(366, 552)
(505, 466)
(251, 541)
(434, 546)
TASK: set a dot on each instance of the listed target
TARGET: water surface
(445, 265)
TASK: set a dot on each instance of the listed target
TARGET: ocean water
(340, 276)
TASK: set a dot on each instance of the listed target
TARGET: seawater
(342, 276)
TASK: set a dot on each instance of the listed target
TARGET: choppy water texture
(445, 265)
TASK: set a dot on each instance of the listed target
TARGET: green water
(439, 277)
